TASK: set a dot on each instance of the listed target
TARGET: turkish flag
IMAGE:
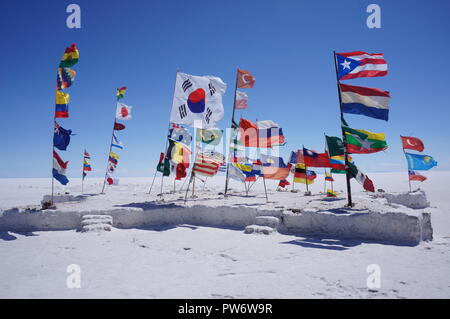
(245, 80)
(412, 143)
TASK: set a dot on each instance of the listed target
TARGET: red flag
(250, 179)
(245, 79)
(283, 183)
(180, 171)
(161, 157)
(249, 133)
(118, 126)
(412, 143)
(313, 159)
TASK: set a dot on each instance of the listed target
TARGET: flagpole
(293, 179)
(110, 149)
(344, 138)
(82, 173)
(325, 169)
(258, 152)
(151, 186)
(404, 153)
(232, 121)
(306, 172)
(168, 128)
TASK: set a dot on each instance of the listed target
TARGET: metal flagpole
(409, 181)
(82, 174)
(258, 152)
(167, 138)
(110, 148)
(232, 121)
(293, 179)
(151, 186)
(344, 138)
(53, 160)
(306, 174)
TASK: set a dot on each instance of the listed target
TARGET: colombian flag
(62, 105)
(86, 165)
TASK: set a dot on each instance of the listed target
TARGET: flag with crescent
(245, 80)
(412, 143)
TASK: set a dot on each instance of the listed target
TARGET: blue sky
(287, 45)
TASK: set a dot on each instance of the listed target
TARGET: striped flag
(206, 165)
(116, 143)
(414, 176)
(360, 64)
(365, 101)
(120, 93)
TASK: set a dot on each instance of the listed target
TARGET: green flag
(164, 167)
(335, 145)
(211, 137)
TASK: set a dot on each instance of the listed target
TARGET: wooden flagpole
(344, 138)
(232, 121)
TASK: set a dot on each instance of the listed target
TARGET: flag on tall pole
(416, 161)
(86, 168)
(243, 80)
(365, 101)
(359, 64)
(123, 112)
(61, 137)
(412, 143)
(198, 98)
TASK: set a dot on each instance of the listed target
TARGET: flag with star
(360, 64)
(420, 162)
(364, 142)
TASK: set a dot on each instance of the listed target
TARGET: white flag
(123, 111)
(198, 98)
(241, 100)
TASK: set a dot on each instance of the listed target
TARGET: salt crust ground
(186, 261)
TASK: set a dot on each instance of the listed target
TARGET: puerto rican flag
(365, 101)
(360, 64)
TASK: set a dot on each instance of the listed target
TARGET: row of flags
(417, 162)
(61, 136)
(123, 113)
(198, 103)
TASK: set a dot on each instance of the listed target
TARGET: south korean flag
(198, 99)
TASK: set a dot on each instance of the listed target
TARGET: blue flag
(420, 162)
(61, 137)
(273, 161)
